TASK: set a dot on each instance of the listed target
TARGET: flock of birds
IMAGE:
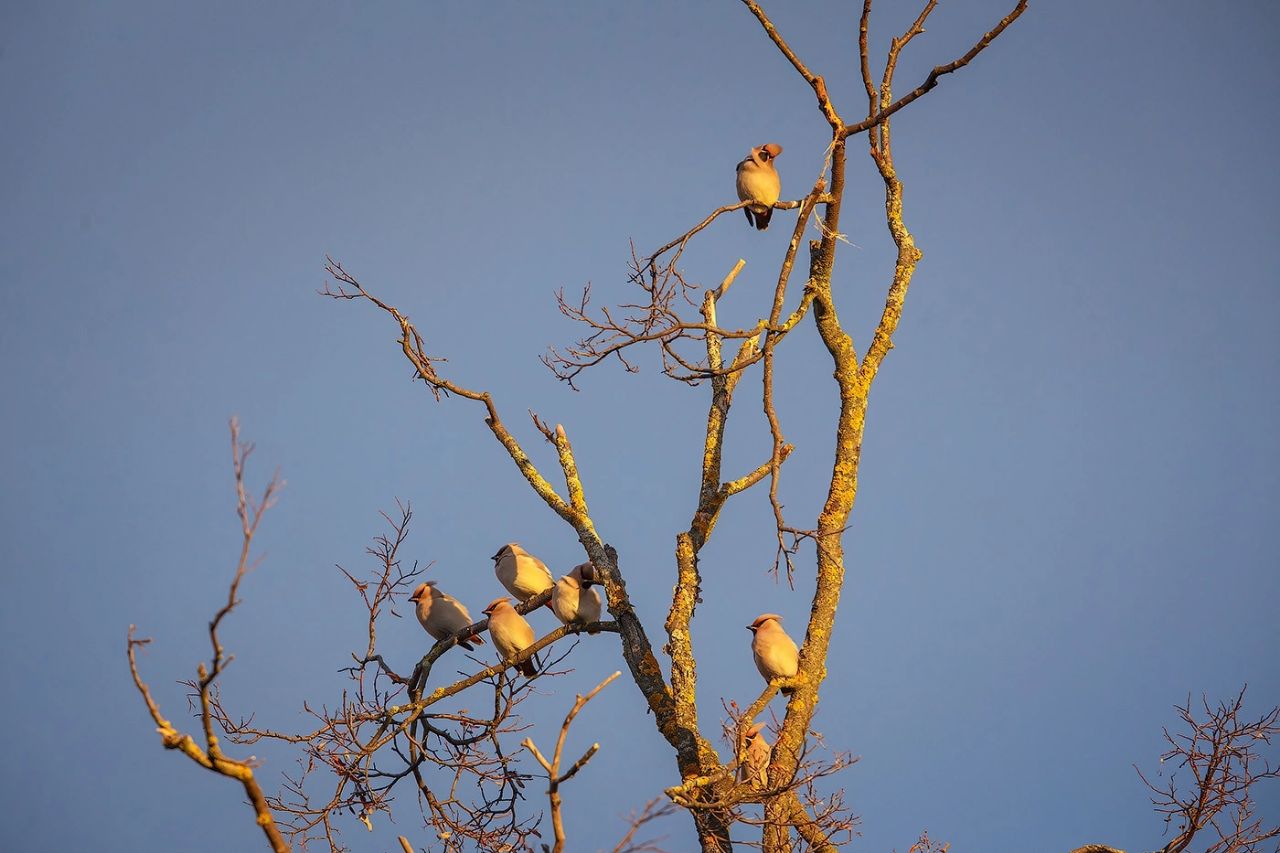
(574, 601)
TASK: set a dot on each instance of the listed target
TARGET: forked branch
(211, 756)
(554, 777)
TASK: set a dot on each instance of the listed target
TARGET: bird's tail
(527, 668)
(762, 219)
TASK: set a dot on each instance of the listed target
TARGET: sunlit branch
(816, 82)
(938, 71)
(211, 756)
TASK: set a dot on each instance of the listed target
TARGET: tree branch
(931, 80)
(552, 767)
(816, 82)
(211, 757)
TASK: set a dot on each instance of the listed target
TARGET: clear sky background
(1067, 515)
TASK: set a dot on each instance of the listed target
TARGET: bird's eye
(765, 155)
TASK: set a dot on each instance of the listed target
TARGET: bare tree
(1222, 754)
(692, 350)
(390, 725)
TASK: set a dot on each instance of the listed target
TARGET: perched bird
(775, 653)
(511, 633)
(523, 574)
(574, 601)
(758, 183)
(755, 759)
(442, 615)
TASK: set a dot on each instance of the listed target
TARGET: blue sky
(1067, 513)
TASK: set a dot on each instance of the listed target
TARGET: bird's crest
(512, 548)
(763, 618)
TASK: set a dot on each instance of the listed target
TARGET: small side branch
(653, 810)
(816, 82)
(864, 57)
(683, 240)
(391, 579)
(554, 776)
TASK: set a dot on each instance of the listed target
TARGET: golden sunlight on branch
(211, 756)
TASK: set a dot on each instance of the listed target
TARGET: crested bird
(573, 601)
(775, 653)
(523, 574)
(756, 757)
(511, 633)
(759, 184)
(442, 615)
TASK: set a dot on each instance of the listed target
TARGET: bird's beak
(751, 628)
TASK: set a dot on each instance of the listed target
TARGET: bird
(523, 574)
(756, 756)
(442, 615)
(775, 653)
(511, 633)
(573, 601)
(759, 184)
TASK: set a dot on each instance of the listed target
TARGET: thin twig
(554, 776)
